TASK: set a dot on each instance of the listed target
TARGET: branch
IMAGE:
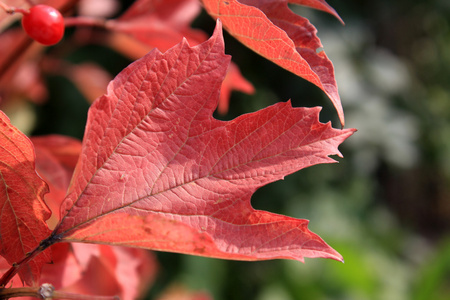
(19, 292)
(8, 275)
(47, 291)
(84, 21)
(11, 9)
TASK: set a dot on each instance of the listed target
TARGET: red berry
(44, 24)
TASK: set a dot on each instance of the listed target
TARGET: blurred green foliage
(386, 206)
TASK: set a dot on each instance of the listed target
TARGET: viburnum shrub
(155, 169)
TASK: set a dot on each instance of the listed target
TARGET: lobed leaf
(272, 30)
(158, 171)
(23, 212)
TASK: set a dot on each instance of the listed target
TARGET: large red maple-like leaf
(23, 212)
(158, 171)
(271, 29)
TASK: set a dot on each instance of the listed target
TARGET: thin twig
(4, 6)
(19, 292)
(47, 291)
(84, 21)
(8, 275)
(11, 9)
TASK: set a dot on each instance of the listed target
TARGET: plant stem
(4, 6)
(47, 291)
(72, 296)
(10, 9)
(84, 21)
(8, 275)
(19, 292)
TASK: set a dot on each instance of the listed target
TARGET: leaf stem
(10, 9)
(8, 275)
(5, 7)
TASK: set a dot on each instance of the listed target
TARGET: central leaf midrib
(178, 186)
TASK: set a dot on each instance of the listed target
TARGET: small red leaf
(100, 270)
(272, 30)
(163, 24)
(160, 24)
(63, 149)
(96, 270)
(56, 157)
(158, 171)
(23, 211)
(90, 79)
(320, 5)
(233, 81)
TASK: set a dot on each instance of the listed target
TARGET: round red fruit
(44, 24)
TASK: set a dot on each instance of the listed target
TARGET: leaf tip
(218, 24)
(336, 100)
(218, 31)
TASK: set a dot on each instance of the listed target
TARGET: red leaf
(100, 270)
(272, 30)
(90, 79)
(233, 81)
(63, 149)
(163, 24)
(56, 157)
(160, 24)
(320, 5)
(158, 171)
(23, 211)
